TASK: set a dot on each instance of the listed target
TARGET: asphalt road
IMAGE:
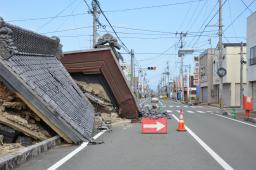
(126, 148)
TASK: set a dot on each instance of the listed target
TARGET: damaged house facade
(31, 72)
(99, 71)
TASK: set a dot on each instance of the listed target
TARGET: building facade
(231, 82)
(206, 76)
(251, 57)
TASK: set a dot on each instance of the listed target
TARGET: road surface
(212, 142)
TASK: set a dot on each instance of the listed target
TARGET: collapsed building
(98, 73)
(35, 87)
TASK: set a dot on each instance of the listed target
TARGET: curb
(12, 160)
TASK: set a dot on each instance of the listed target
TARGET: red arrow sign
(154, 125)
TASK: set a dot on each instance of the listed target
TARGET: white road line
(73, 153)
(185, 106)
(161, 102)
(200, 111)
(177, 106)
(170, 106)
(190, 111)
(234, 120)
(178, 111)
(209, 111)
(215, 156)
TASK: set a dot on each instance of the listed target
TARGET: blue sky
(147, 30)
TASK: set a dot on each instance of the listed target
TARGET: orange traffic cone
(181, 124)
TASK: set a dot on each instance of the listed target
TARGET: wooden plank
(44, 118)
(23, 129)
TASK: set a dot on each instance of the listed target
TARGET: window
(253, 55)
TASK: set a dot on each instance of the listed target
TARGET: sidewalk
(237, 113)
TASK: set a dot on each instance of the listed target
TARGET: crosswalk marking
(185, 106)
(177, 110)
(190, 111)
(200, 111)
(177, 106)
(170, 106)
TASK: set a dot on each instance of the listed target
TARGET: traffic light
(152, 68)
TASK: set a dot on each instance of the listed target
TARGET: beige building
(231, 82)
(206, 76)
(251, 57)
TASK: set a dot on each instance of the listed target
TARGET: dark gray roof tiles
(43, 81)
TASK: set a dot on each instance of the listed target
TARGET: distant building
(206, 76)
(231, 82)
(251, 57)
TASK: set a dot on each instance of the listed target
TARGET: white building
(231, 82)
(251, 56)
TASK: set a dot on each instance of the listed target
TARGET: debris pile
(154, 111)
(97, 96)
(104, 108)
(18, 124)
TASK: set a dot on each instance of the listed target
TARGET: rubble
(97, 96)
(16, 116)
(10, 148)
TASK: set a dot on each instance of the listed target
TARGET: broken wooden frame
(104, 61)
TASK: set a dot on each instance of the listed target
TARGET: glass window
(253, 55)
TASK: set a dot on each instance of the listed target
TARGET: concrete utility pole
(168, 79)
(94, 14)
(181, 65)
(189, 82)
(241, 74)
(220, 54)
(132, 69)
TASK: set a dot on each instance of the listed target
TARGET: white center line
(215, 156)
(73, 153)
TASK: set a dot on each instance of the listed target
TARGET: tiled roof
(29, 65)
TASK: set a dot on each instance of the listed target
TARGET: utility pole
(132, 69)
(168, 79)
(181, 65)
(189, 82)
(220, 54)
(94, 14)
(242, 62)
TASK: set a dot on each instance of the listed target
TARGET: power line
(152, 6)
(209, 22)
(50, 17)
(239, 15)
(59, 13)
(125, 47)
(68, 29)
(203, 23)
(85, 13)
(157, 31)
(246, 6)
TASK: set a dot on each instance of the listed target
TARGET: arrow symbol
(158, 126)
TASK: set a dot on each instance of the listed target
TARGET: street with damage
(212, 141)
